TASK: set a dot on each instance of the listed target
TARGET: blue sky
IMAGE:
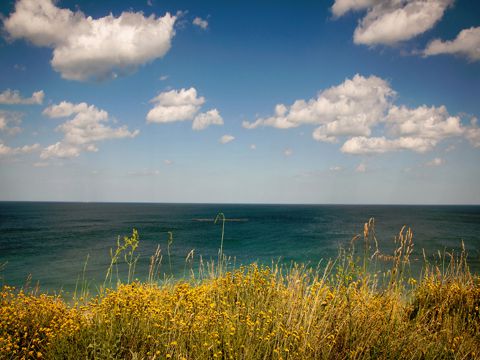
(345, 101)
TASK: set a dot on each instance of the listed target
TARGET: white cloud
(163, 77)
(435, 162)
(10, 122)
(288, 152)
(86, 127)
(391, 21)
(144, 172)
(40, 164)
(362, 145)
(362, 106)
(182, 105)
(167, 162)
(341, 7)
(467, 44)
(226, 139)
(6, 151)
(473, 133)
(175, 105)
(84, 47)
(201, 23)
(253, 147)
(13, 97)
(432, 123)
(361, 168)
(336, 168)
(348, 109)
(204, 120)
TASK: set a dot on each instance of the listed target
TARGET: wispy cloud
(10, 122)
(201, 23)
(435, 162)
(361, 168)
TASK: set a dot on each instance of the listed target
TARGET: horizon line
(232, 203)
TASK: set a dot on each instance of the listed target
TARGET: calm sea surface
(51, 241)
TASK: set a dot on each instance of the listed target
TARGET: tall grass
(361, 305)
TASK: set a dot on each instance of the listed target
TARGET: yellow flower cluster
(250, 313)
(28, 323)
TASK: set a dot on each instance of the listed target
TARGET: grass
(361, 305)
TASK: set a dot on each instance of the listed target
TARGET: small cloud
(86, 126)
(226, 139)
(40, 164)
(204, 120)
(450, 148)
(466, 44)
(20, 67)
(182, 105)
(13, 97)
(336, 168)
(201, 23)
(288, 152)
(163, 77)
(391, 22)
(7, 151)
(435, 162)
(361, 168)
(10, 122)
(168, 162)
(149, 2)
(144, 172)
(253, 147)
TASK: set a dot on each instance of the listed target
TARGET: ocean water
(48, 243)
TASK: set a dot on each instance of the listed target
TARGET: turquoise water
(51, 241)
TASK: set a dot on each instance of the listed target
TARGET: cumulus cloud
(10, 122)
(287, 152)
(226, 139)
(253, 147)
(201, 23)
(182, 105)
(84, 47)
(348, 109)
(435, 162)
(204, 120)
(13, 97)
(467, 44)
(388, 22)
(6, 151)
(361, 106)
(87, 126)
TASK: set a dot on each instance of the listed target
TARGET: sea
(55, 246)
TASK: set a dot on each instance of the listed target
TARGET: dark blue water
(50, 241)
